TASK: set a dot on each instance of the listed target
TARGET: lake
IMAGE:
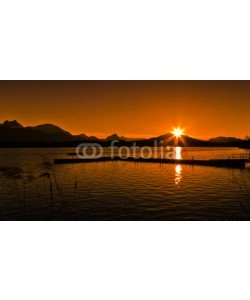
(32, 188)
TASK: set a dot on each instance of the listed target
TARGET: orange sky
(131, 108)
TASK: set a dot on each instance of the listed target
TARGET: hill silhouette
(13, 134)
(225, 140)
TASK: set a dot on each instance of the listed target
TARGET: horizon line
(125, 135)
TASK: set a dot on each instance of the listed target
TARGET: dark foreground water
(32, 188)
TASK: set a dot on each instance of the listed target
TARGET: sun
(177, 132)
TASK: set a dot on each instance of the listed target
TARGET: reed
(75, 188)
(59, 192)
(243, 195)
(47, 175)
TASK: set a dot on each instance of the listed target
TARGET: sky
(204, 109)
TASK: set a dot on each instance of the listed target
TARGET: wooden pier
(223, 163)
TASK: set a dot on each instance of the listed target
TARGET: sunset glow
(134, 109)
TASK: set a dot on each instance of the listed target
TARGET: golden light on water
(177, 132)
(177, 153)
(178, 174)
(178, 168)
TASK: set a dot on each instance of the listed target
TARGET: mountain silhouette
(11, 124)
(86, 138)
(169, 139)
(120, 138)
(13, 134)
(225, 140)
(53, 132)
(113, 137)
(51, 129)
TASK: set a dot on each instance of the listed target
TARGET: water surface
(32, 188)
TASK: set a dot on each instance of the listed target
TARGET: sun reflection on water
(178, 174)
(177, 152)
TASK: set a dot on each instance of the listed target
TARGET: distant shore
(106, 145)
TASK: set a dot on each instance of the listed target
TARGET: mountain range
(13, 134)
